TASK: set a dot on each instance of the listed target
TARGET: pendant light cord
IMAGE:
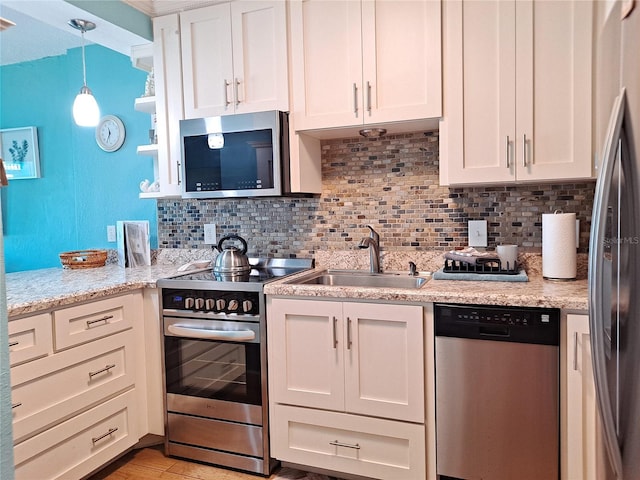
(84, 67)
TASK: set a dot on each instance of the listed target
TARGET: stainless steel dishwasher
(497, 392)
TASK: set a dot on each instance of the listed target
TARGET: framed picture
(19, 147)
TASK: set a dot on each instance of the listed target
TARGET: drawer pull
(105, 369)
(13, 344)
(95, 440)
(16, 405)
(105, 319)
(347, 445)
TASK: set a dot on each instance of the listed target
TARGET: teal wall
(82, 189)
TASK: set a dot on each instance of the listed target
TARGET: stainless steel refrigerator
(614, 256)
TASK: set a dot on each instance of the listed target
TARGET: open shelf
(145, 104)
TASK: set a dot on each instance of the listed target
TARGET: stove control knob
(220, 304)
(199, 303)
(233, 305)
(247, 305)
(209, 304)
(188, 303)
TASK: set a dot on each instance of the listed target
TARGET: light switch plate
(210, 234)
(477, 233)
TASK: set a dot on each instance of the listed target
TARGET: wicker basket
(83, 258)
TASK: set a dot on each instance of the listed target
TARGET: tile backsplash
(390, 183)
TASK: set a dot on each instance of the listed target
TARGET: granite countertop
(537, 292)
(38, 290)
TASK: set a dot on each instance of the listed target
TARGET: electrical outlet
(111, 233)
(477, 233)
(210, 233)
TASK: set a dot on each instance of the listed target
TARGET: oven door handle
(190, 332)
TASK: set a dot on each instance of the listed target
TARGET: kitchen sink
(349, 278)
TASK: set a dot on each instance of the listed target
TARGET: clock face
(110, 133)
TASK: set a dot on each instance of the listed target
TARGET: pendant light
(85, 108)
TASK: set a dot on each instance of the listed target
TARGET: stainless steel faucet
(372, 242)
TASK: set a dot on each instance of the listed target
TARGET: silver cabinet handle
(102, 370)
(368, 97)
(524, 150)
(95, 440)
(105, 319)
(16, 405)
(347, 445)
(575, 351)
(355, 99)
(226, 93)
(335, 337)
(506, 149)
(348, 333)
(237, 84)
(13, 344)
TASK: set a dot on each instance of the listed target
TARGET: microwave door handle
(231, 335)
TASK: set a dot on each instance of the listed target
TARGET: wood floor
(151, 464)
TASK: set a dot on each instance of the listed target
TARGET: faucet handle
(412, 269)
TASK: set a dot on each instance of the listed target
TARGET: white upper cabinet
(364, 62)
(517, 91)
(234, 58)
(168, 103)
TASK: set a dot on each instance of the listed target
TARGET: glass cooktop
(262, 270)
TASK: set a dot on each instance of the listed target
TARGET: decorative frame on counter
(19, 147)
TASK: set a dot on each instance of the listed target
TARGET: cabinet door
(169, 111)
(326, 62)
(306, 359)
(517, 92)
(478, 129)
(553, 87)
(401, 60)
(384, 367)
(259, 38)
(583, 450)
(207, 68)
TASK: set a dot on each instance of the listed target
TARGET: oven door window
(213, 369)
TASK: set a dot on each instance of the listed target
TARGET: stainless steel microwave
(244, 155)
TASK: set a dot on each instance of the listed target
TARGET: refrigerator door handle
(596, 284)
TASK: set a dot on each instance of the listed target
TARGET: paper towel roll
(559, 246)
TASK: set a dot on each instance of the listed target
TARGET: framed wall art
(19, 147)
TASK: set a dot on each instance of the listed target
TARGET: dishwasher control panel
(514, 324)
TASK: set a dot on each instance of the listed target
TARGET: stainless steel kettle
(232, 260)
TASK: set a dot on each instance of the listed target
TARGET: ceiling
(42, 30)
(156, 8)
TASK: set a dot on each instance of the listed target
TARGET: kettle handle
(233, 236)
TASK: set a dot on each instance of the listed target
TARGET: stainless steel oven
(215, 375)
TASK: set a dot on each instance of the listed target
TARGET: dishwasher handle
(494, 331)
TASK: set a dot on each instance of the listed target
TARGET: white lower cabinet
(352, 374)
(83, 443)
(354, 444)
(583, 454)
(75, 402)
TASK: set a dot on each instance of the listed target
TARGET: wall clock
(110, 133)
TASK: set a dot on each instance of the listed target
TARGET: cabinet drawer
(347, 443)
(52, 389)
(30, 338)
(84, 323)
(78, 446)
